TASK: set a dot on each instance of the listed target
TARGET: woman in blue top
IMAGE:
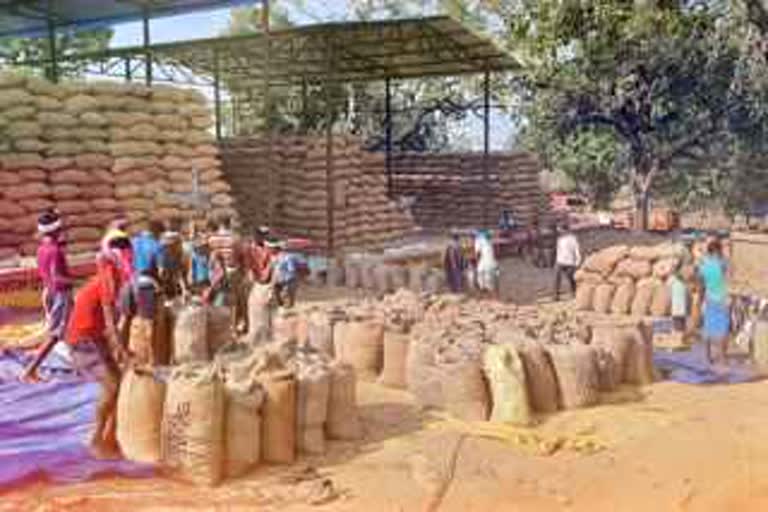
(717, 317)
(199, 266)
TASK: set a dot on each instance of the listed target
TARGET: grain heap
(94, 150)
(624, 280)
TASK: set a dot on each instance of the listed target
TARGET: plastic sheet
(692, 367)
(45, 427)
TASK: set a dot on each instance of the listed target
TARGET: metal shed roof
(30, 18)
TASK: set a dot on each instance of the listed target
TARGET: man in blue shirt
(146, 248)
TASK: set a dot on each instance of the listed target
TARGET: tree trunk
(643, 178)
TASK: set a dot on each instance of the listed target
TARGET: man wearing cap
(57, 284)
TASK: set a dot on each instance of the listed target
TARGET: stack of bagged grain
(248, 164)
(626, 280)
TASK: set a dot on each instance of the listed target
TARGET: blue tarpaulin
(692, 367)
(45, 427)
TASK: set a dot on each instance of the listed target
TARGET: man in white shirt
(487, 266)
(567, 260)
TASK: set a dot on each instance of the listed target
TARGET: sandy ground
(667, 447)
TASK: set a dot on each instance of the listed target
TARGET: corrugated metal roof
(30, 18)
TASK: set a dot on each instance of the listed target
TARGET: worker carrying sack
(193, 424)
(139, 417)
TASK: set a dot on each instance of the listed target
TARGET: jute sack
(139, 417)
(585, 293)
(662, 300)
(260, 314)
(465, 393)
(422, 376)
(193, 424)
(190, 334)
(313, 391)
(605, 261)
(662, 269)
(382, 279)
(320, 332)
(395, 357)
(416, 276)
(278, 439)
(334, 275)
(622, 299)
(368, 277)
(641, 304)
(343, 422)
(636, 269)
(352, 276)
(362, 346)
(540, 376)
(509, 390)
(639, 368)
(434, 282)
(603, 298)
(614, 344)
(577, 374)
(140, 340)
(218, 326)
(244, 398)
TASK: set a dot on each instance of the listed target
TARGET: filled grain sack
(288, 326)
(603, 262)
(661, 304)
(636, 269)
(352, 275)
(244, 398)
(422, 375)
(644, 253)
(218, 326)
(334, 275)
(639, 368)
(607, 374)
(140, 416)
(465, 393)
(278, 438)
(507, 382)
(435, 282)
(540, 376)
(368, 276)
(662, 269)
(382, 279)
(622, 299)
(361, 344)
(417, 274)
(395, 356)
(613, 343)
(190, 333)
(343, 421)
(585, 293)
(193, 424)
(313, 391)
(260, 313)
(603, 298)
(320, 325)
(399, 277)
(641, 304)
(577, 374)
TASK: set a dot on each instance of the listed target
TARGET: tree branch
(757, 15)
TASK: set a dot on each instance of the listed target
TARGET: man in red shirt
(259, 257)
(57, 285)
(96, 347)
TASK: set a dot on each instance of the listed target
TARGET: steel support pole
(217, 93)
(53, 68)
(147, 49)
(265, 15)
(128, 70)
(486, 143)
(329, 159)
(388, 121)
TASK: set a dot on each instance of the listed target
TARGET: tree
(69, 42)
(659, 77)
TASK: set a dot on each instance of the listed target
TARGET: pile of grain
(94, 150)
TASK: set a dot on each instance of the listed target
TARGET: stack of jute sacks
(94, 150)
(623, 280)
(226, 406)
(248, 164)
(454, 190)
(377, 276)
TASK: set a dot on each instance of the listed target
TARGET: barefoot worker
(93, 335)
(717, 316)
(57, 285)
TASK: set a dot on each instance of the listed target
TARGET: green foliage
(68, 43)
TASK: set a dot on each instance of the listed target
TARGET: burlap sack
(613, 343)
(399, 277)
(577, 374)
(585, 293)
(189, 335)
(352, 275)
(603, 298)
(507, 382)
(343, 421)
(368, 276)
(219, 328)
(320, 328)
(140, 340)
(193, 424)
(639, 368)
(435, 282)
(417, 274)
(622, 299)
(661, 304)
(334, 275)
(644, 253)
(641, 304)
(313, 391)
(603, 262)
(393, 374)
(361, 344)
(244, 398)
(465, 393)
(278, 439)
(540, 376)
(260, 314)
(636, 269)
(140, 416)
(382, 279)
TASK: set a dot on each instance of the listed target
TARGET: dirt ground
(667, 447)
